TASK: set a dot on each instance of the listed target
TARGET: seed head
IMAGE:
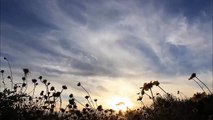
(34, 80)
(192, 76)
(79, 84)
(64, 87)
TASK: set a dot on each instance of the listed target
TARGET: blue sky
(111, 46)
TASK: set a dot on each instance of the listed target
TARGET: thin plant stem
(89, 97)
(183, 95)
(148, 95)
(152, 95)
(11, 73)
(60, 102)
(204, 85)
(34, 90)
(96, 104)
(200, 86)
(26, 83)
(2, 75)
(89, 103)
(162, 89)
(79, 102)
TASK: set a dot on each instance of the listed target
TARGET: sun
(119, 103)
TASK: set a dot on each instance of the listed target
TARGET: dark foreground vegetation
(18, 104)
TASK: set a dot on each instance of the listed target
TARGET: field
(16, 103)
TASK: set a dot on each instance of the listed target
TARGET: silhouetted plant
(194, 76)
(16, 104)
(79, 84)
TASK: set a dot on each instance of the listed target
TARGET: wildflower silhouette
(193, 75)
(11, 73)
(156, 83)
(2, 76)
(148, 86)
(79, 84)
(45, 105)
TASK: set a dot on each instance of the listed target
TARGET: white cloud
(114, 43)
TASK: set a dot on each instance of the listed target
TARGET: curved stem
(162, 89)
(11, 74)
(79, 102)
(204, 85)
(89, 97)
(200, 86)
(89, 103)
(148, 95)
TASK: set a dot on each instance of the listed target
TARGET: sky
(111, 46)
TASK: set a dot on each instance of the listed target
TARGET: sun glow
(119, 103)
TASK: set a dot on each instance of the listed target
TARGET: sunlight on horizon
(120, 103)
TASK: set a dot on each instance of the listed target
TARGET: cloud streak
(108, 39)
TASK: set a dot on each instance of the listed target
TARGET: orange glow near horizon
(119, 103)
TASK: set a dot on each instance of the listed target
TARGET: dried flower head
(64, 87)
(192, 76)
(34, 80)
(79, 84)
(44, 81)
(23, 78)
(26, 71)
(8, 77)
(156, 83)
(71, 95)
(140, 98)
(24, 84)
(40, 77)
(52, 88)
(86, 97)
(87, 105)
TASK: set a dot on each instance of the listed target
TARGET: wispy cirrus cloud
(108, 40)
